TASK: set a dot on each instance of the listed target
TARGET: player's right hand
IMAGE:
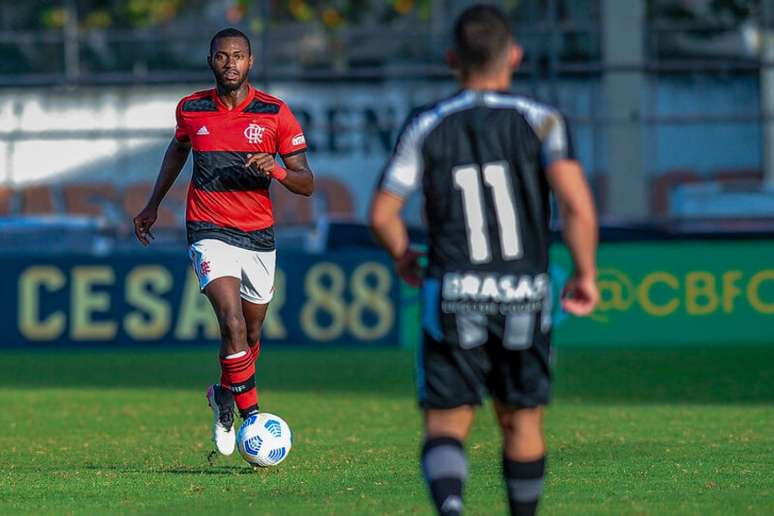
(142, 224)
(409, 268)
(580, 295)
(261, 163)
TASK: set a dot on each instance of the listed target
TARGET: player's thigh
(257, 273)
(223, 294)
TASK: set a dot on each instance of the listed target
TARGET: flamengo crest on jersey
(254, 133)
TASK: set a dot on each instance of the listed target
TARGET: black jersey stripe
(258, 106)
(224, 171)
(259, 240)
(199, 105)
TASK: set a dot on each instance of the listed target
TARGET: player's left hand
(580, 295)
(262, 163)
(408, 267)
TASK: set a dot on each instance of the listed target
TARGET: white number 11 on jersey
(496, 175)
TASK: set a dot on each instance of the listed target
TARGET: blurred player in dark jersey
(235, 132)
(486, 162)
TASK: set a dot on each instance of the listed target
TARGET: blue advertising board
(127, 299)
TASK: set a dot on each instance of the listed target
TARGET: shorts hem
(210, 280)
(428, 405)
(522, 404)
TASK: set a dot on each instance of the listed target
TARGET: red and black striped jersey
(226, 201)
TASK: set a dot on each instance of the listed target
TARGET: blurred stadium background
(671, 104)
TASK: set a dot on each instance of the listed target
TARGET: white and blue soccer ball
(264, 439)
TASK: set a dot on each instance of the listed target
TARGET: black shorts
(451, 374)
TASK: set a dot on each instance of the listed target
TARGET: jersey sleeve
(556, 139)
(290, 136)
(402, 174)
(181, 134)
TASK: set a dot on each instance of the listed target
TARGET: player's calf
(233, 332)
(523, 457)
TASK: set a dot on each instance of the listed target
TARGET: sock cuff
(435, 442)
(235, 355)
(527, 470)
(237, 364)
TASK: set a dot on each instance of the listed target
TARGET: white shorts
(214, 259)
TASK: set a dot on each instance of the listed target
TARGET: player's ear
(516, 55)
(250, 62)
(209, 61)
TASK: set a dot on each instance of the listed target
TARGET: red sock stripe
(236, 369)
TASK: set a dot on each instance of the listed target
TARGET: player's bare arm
(388, 227)
(296, 176)
(580, 233)
(390, 231)
(174, 159)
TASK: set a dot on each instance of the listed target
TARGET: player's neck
(500, 82)
(233, 98)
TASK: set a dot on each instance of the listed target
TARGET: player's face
(230, 61)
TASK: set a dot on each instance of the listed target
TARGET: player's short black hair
(481, 34)
(230, 32)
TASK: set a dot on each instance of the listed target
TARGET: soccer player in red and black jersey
(235, 132)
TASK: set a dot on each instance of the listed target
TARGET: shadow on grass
(691, 375)
(204, 469)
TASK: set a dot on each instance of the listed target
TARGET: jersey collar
(222, 107)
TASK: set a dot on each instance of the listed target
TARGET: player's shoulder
(537, 114)
(523, 104)
(197, 102)
(424, 118)
(266, 97)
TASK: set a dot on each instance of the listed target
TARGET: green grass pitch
(678, 431)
